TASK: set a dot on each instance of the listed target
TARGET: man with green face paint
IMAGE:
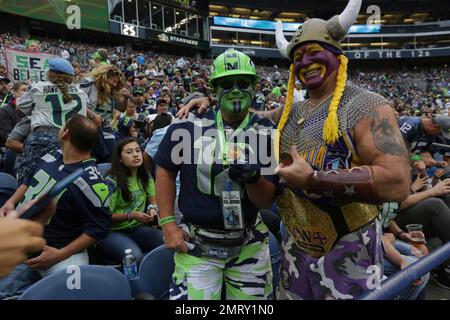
(234, 94)
(222, 239)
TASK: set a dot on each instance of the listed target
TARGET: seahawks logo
(231, 61)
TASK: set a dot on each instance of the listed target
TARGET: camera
(139, 124)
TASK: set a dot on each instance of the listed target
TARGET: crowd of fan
(415, 91)
(161, 84)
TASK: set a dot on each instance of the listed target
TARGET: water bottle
(129, 264)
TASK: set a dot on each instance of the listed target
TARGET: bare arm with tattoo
(381, 146)
(274, 115)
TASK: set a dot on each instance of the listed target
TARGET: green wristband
(416, 157)
(167, 220)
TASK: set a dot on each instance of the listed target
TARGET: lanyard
(222, 137)
(5, 99)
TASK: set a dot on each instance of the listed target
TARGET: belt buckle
(219, 252)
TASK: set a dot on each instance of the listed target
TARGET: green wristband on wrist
(416, 157)
(167, 220)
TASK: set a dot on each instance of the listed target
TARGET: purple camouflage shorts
(352, 267)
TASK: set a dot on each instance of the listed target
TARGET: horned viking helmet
(330, 32)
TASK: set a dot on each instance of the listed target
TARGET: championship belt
(314, 230)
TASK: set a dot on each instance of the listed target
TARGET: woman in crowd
(51, 104)
(132, 206)
(105, 89)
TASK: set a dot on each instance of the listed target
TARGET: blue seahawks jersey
(259, 101)
(83, 207)
(201, 183)
(414, 135)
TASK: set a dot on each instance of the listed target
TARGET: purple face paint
(315, 65)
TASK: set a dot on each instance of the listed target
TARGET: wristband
(399, 234)
(167, 220)
(416, 157)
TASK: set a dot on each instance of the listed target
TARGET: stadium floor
(434, 292)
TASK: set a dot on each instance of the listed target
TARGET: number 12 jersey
(44, 102)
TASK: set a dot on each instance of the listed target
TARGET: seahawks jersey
(106, 110)
(259, 101)
(44, 102)
(201, 180)
(83, 207)
(413, 133)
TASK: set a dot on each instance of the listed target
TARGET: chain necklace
(304, 114)
(309, 108)
(312, 105)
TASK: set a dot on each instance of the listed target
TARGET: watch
(153, 206)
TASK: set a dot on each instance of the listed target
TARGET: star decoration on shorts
(349, 191)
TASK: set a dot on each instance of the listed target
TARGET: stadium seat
(104, 168)
(275, 258)
(96, 283)
(8, 185)
(155, 272)
(8, 162)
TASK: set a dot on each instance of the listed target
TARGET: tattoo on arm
(386, 139)
(273, 115)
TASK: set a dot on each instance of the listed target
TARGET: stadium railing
(403, 279)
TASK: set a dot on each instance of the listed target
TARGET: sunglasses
(241, 84)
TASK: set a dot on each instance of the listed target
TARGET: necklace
(309, 108)
(312, 105)
(304, 115)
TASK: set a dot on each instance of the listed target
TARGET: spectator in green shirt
(133, 206)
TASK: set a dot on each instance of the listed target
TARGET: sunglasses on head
(228, 84)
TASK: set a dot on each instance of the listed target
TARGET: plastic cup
(415, 230)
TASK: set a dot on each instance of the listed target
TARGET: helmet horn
(282, 43)
(348, 17)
